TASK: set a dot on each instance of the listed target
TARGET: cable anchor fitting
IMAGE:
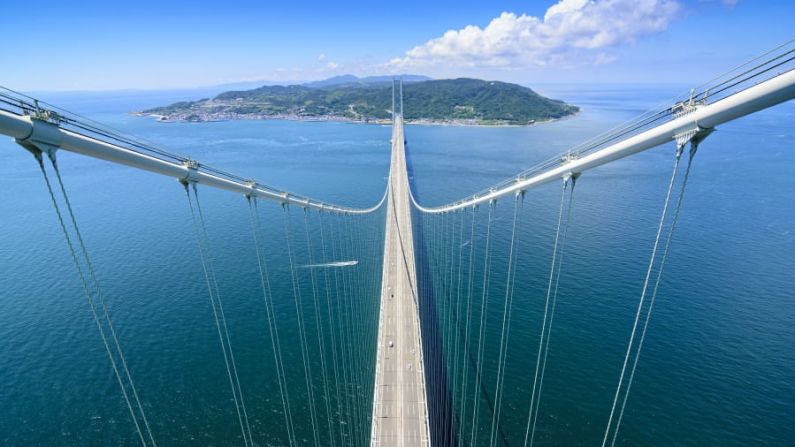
(46, 115)
(191, 171)
(571, 176)
(693, 136)
(567, 158)
(45, 137)
(252, 185)
(689, 106)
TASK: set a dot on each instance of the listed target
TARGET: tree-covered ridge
(461, 100)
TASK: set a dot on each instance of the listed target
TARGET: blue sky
(104, 45)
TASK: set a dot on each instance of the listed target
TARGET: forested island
(460, 101)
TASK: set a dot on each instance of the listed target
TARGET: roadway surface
(399, 409)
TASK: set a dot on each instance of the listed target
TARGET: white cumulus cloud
(568, 27)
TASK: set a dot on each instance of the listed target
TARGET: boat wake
(331, 264)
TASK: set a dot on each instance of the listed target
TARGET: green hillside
(449, 100)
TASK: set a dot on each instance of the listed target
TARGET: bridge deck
(399, 409)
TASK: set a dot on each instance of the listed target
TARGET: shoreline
(338, 119)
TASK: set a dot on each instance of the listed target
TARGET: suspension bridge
(392, 301)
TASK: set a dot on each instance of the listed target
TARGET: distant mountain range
(369, 99)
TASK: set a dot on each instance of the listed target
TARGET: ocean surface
(718, 364)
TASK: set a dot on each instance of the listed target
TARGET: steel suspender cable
(373, 299)
(456, 343)
(465, 360)
(221, 312)
(674, 220)
(357, 316)
(335, 360)
(444, 311)
(362, 309)
(437, 333)
(429, 335)
(339, 292)
(361, 316)
(272, 329)
(481, 331)
(346, 252)
(553, 306)
(439, 320)
(643, 292)
(377, 261)
(349, 323)
(506, 319)
(349, 339)
(300, 319)
(354, 331)
(319, 331)
(445, 323)
(101, 297)
(212, 289)
(433, 324)
(91, 302)
(449, 346)
(364, 317)
(531, 413)
(367, 252)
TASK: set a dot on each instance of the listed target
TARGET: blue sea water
(717, 367)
